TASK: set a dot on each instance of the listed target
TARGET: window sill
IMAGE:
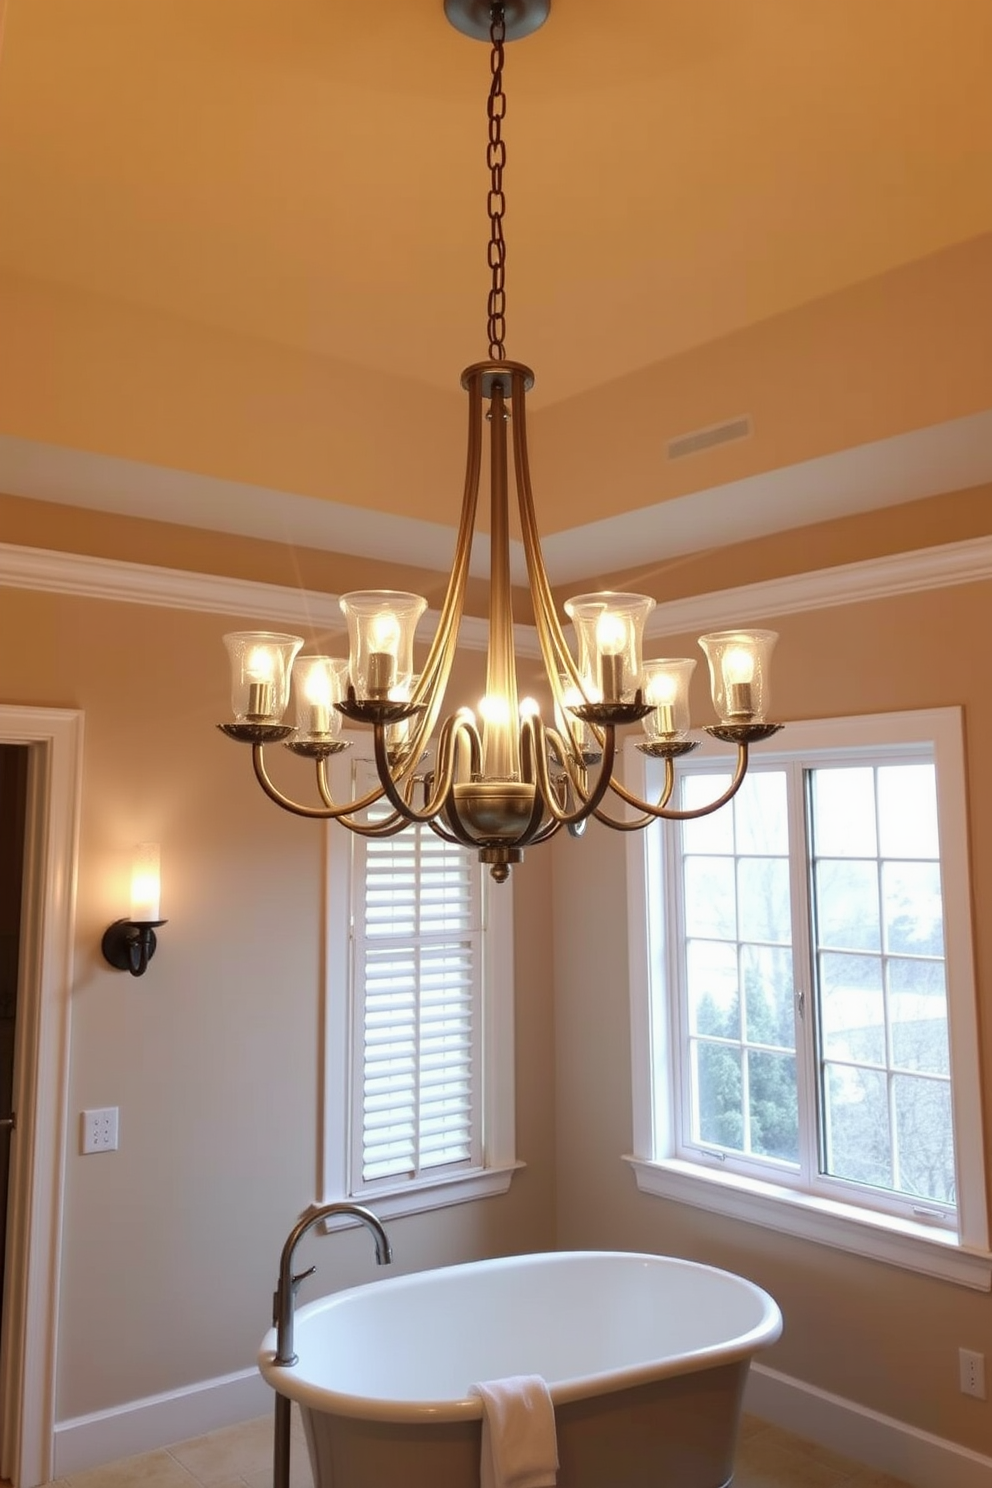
(883, 1237)
(432, 1193)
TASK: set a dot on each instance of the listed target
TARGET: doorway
(40, 776)
(13, 811)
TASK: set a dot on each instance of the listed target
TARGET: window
(419, 1017)
(804, 1008)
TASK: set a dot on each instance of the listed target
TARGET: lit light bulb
(318, 694)
(384, 640)
(738, 670)
(611, 633)
(738, 665)
(259, 666)
(611, 642)
(384, 632)
(494, 709)
(529, 708)
(260, 672)
(662, 688)
(317, 688)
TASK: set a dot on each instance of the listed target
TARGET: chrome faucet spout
(285, 1294)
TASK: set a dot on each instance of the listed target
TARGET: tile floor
(241, 1457)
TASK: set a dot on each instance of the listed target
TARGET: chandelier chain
(496, 205)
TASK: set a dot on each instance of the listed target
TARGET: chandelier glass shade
(497, 779)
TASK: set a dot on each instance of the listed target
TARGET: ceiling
(311, 175)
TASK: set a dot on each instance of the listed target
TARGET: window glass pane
(773, 1105)
(847, 905)
(769, 995)
(907, 811)
(924, 1136)
(852, 1012)
(844, 812)
(720, 1117)
(762, 815)
(709, 834)
(856, 1120)
(714, 998)
(710, 904)
(911, 908)
(763, 899)
(918, 1014)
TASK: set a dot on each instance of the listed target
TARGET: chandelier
(503, 780)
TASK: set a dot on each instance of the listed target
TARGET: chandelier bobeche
(501, 781)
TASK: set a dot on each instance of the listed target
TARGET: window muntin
(909, 1231)
(862, 874)
(880, 975)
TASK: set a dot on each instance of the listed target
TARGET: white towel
(519, 1443)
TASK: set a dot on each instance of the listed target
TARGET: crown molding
(942, 567)
(48, 571)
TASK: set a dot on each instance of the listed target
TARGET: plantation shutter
(418, 985)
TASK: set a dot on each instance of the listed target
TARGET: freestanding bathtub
(645, 1357)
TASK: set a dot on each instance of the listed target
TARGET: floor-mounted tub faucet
(283, 1303)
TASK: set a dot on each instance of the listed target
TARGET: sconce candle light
(130, 944)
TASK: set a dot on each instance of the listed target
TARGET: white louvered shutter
(417, 970)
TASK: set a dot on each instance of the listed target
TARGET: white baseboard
(878, 1441)
(159, 1421)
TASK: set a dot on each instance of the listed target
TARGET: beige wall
(881, 1336)
(170, 1245)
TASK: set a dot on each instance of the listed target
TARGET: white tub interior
(573, 1318)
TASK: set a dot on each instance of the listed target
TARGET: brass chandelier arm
(385, 828)
(328, 812)
(324, 785)
(636, 824)
(444, 834)
(663, 812)
(554, 647)
(451, 730)
(317, 813)
(500, 739)
(575, 765)
(536, 754)
(437, 666)
(388, 827)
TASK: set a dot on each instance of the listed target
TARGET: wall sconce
(130, 944)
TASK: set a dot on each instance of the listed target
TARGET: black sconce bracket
(129, 945)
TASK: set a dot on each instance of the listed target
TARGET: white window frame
(439, 1188)
(960, 1255)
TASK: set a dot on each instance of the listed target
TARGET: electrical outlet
(99, 1130)
(972, 1368)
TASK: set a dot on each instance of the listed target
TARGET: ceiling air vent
(703, 439)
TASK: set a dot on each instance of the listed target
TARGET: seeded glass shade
(609, 628)
(318, 683)
(666, 688)
(381, 628)
(739, 673)
(261, 662)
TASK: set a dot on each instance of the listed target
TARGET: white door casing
(30, 1305)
